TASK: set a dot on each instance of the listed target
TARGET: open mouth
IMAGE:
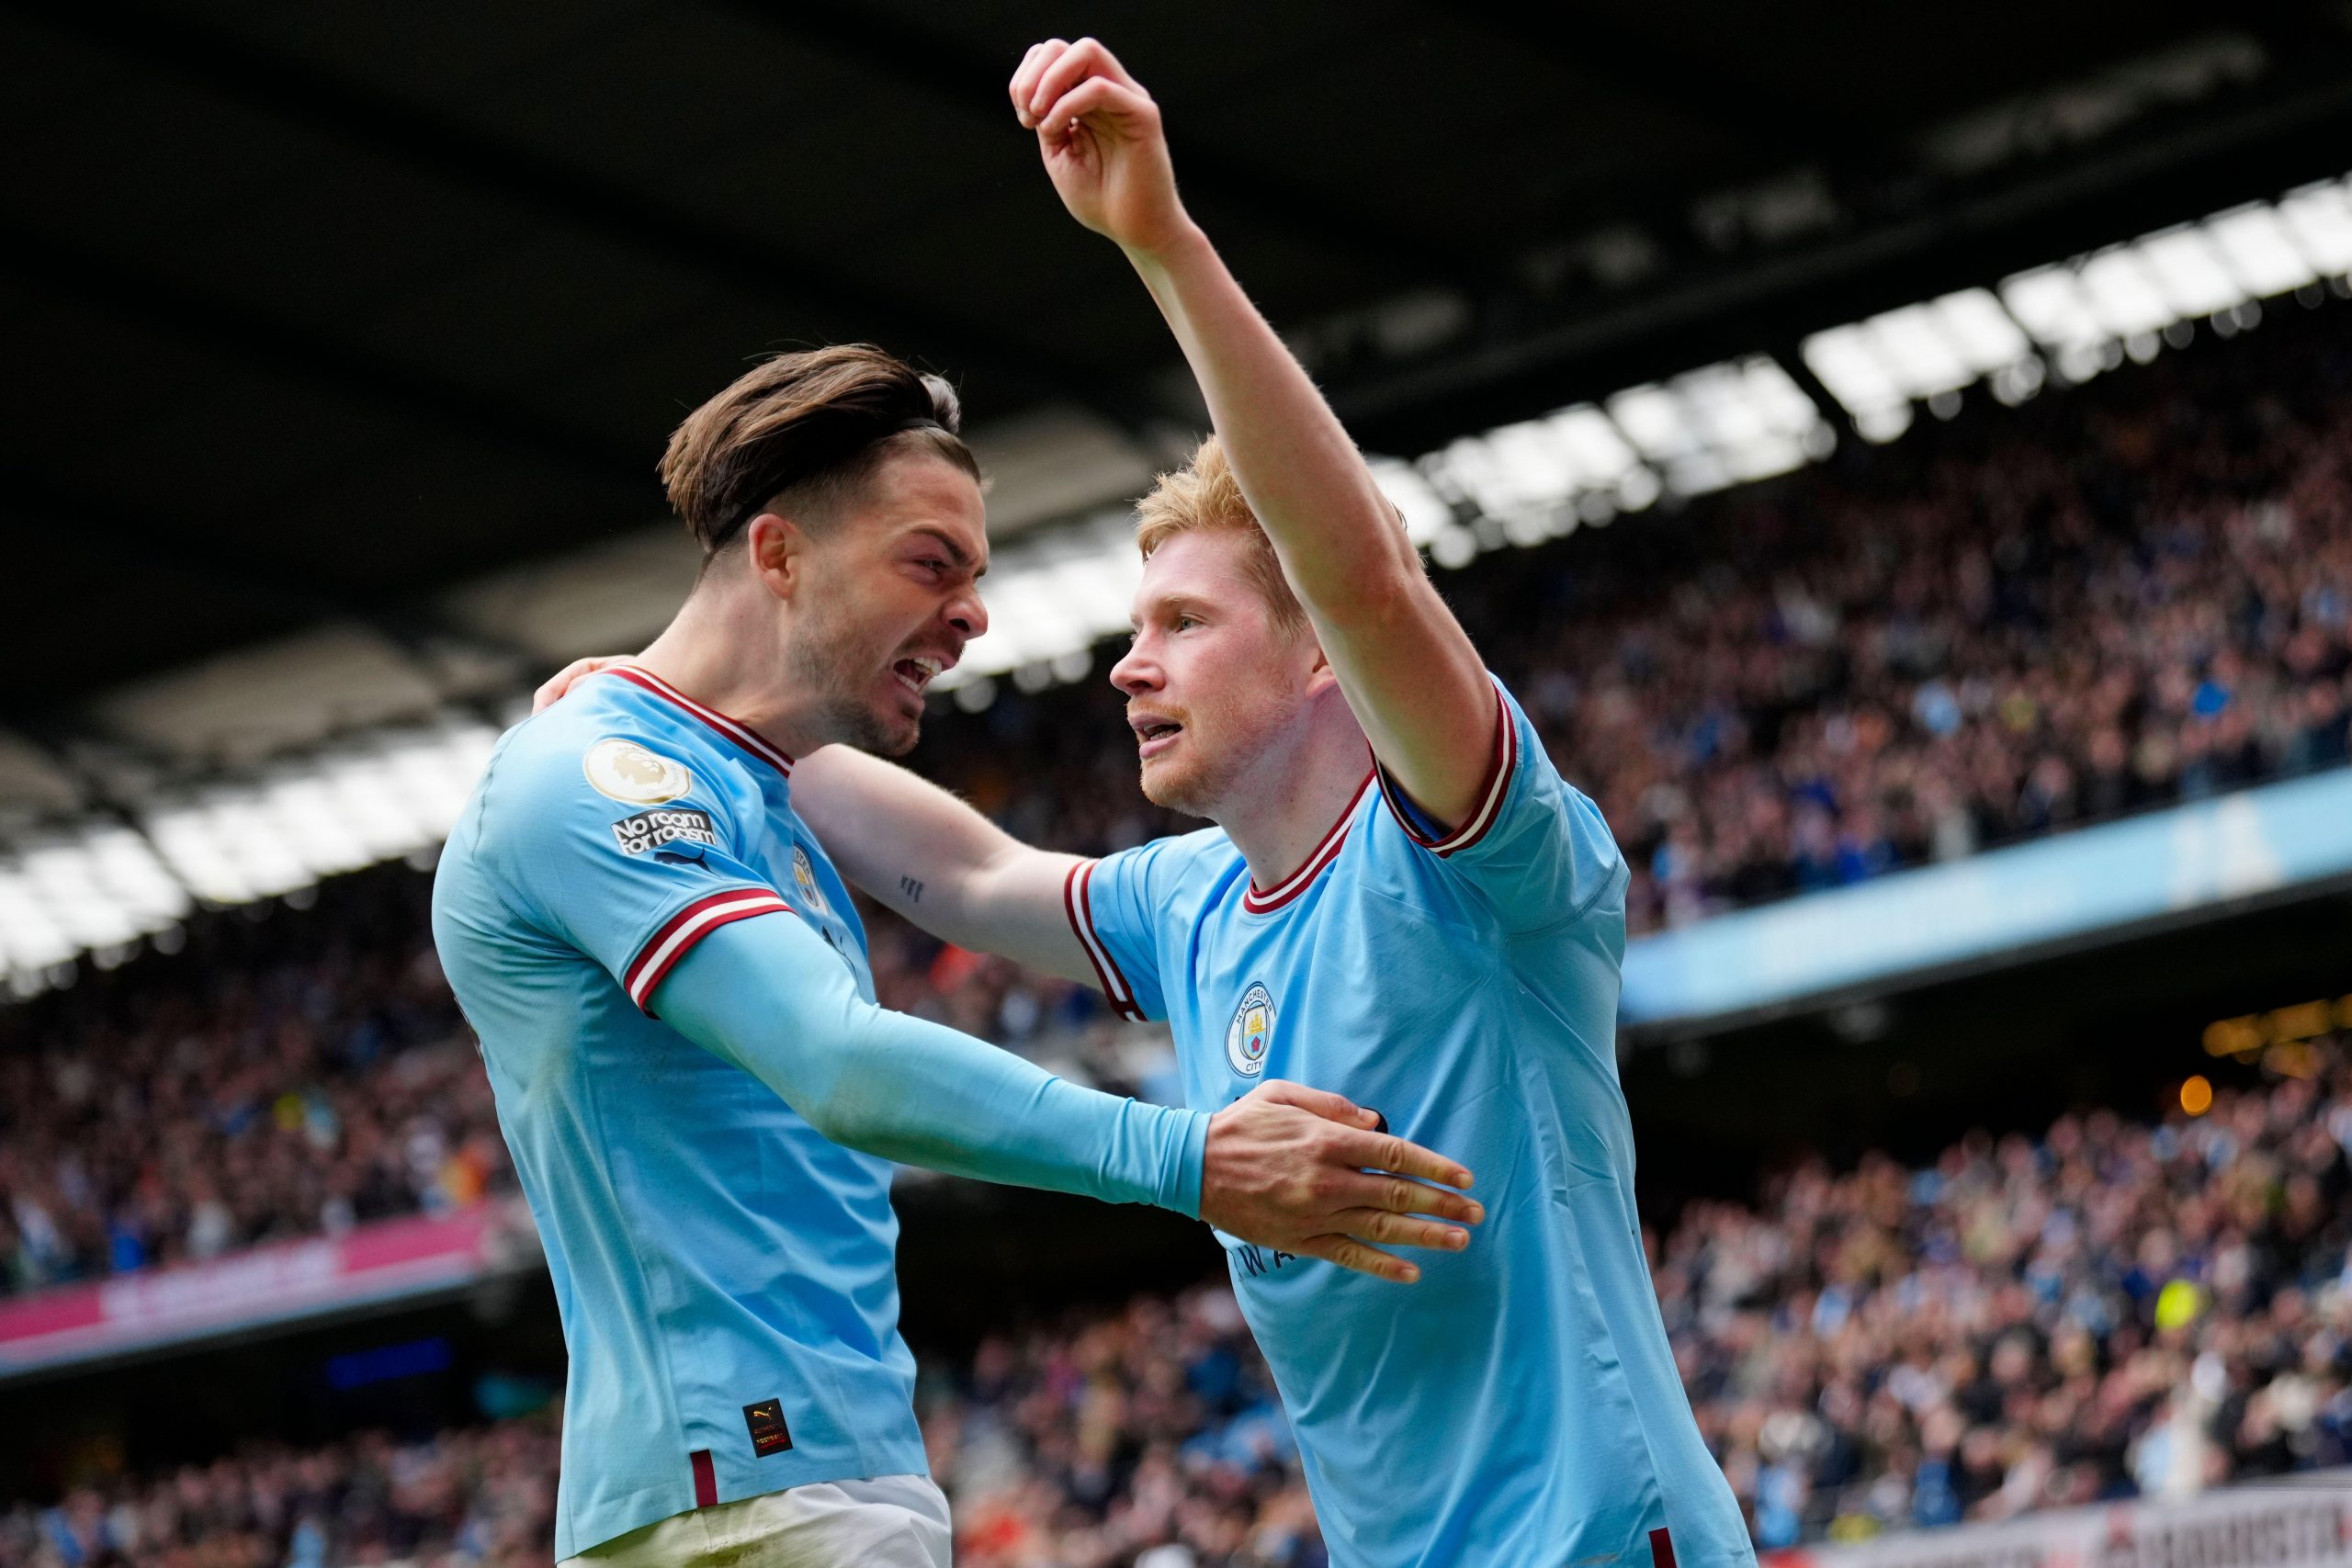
(917, 675)
(1156, 737)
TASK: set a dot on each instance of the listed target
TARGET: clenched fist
(1100, 134)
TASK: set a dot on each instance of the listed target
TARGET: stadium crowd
(283, 1076)
(483, 1496)
(2134, 593)
(2109, 1309)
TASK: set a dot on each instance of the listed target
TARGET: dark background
(311, 309)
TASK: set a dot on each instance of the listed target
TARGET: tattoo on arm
(911, 888)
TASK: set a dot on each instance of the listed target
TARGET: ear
(779, 552)
(1321, 676)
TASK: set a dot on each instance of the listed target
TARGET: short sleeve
(1535, 846)
(1112, 909)
(619, 849)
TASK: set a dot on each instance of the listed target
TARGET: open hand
(1100, 134)
(1305, 1171)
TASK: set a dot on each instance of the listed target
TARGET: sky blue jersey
(1519, 1407)
(610, 835)
(724, 1262)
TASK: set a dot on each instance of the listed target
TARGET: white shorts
(893, 1522)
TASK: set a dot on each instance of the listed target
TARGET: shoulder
(1161, 885)
(597, 749)
(596, 772)
(1164, 866)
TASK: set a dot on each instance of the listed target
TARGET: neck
(1283, 812)
(725, 650)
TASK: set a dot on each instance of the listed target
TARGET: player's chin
(893, 725)
(1169, 785)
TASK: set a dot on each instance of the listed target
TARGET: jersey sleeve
(1112, 907)
(769, 997)
(1535, 845)
(635, 883)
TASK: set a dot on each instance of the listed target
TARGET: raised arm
(1410, 674)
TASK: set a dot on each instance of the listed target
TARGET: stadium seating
(2102, 1312)
(280, 1078)
(2137, 592)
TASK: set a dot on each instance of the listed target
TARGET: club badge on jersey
(1251, 1031)
(804, 879)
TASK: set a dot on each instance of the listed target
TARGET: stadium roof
(347, 325)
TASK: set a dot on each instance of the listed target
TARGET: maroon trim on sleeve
(1661, 1549)
(677, 935)
(706, 1480)
(1492, 788)
(1077, 904)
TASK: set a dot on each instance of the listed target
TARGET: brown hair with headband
(798, 434)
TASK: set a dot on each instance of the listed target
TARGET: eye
(1184, 621)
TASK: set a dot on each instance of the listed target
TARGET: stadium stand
(277, 1080)
(2019, 622)
(484, 1495)
(2105, 1311)
(2027, 619)
(347, 342)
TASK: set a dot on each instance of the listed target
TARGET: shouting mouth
(916, 674)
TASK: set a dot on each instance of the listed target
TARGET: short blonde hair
(1203, 496)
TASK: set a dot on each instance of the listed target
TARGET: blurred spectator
(484, 1498)
(2109, 1309)
(290, 1075)
(2132, 593)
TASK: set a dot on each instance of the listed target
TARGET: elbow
(834, 1121)
(822, 1085)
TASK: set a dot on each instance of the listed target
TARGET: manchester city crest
(804, 878)
(1251, 1031)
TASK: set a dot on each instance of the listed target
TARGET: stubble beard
(820, 665)
(1195, 787)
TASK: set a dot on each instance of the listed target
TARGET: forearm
(1410, 673)
(933, 859)
(1303, 477)
(913, 1091)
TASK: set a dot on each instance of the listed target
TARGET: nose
(1134, 673)
(968, 614)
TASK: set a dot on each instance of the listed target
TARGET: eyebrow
(1165, 603)
(956, 552)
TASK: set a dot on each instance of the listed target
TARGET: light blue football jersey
(1520, 1406)
(727, 1277)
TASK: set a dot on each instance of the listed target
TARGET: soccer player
(1404, 902)
(675, 1007)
